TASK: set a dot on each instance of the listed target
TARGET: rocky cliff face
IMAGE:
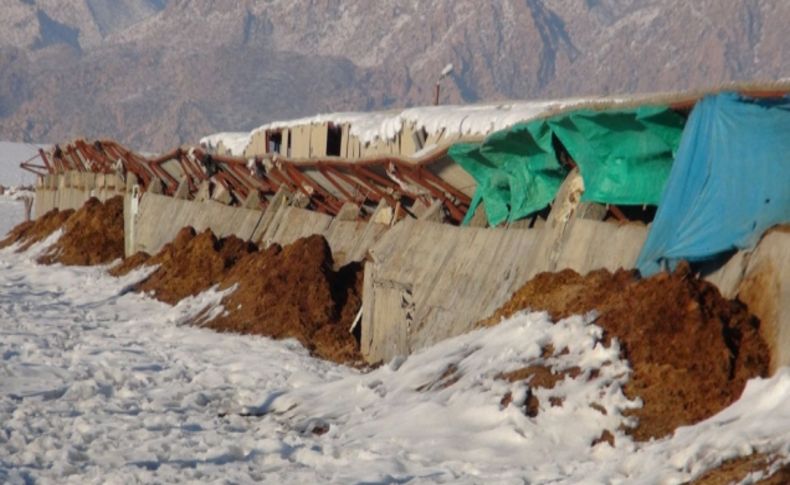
(154, 73)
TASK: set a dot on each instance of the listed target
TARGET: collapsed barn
(451, 210)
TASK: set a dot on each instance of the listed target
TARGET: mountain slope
(159, 72)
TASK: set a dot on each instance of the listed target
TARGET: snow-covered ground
(12, 208)
(100, 385)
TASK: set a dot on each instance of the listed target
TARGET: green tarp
(624, 157)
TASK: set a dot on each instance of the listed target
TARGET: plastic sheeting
(516, 170)
(729, 184)
(624, 157)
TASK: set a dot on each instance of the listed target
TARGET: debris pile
(30, 232)
(92, 235)
(690, 349)
(293, 292)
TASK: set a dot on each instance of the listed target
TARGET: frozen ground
(98, 385)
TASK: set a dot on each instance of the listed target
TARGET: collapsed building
(452, 209)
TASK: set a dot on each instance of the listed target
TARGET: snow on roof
(474, 120)
(235, 142)
(451, 120)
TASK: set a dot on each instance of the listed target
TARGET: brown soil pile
(293, 292)
(92, 235)
(192, 263)
(691, 350)
(538, 376)
(31, 232)
(734, 471)
(130, 264)
(290, 292)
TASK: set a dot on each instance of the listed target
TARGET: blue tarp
(730, 182)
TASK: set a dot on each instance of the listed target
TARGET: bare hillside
(154, 73)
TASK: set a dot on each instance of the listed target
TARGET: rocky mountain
(155, 73)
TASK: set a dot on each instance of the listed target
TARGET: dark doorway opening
(275, 141)
(334, 137)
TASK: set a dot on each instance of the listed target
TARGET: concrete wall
(159, 218)
(345, 135)
(72, 189)
(590, 245)
(292, 223)
(765, 288)
(426, 281)
(300, 141)
(318, 138)
(349, 239)
(257, 145)
(430, 281)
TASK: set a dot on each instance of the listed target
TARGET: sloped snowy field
(102, 386)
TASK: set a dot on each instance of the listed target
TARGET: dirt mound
(691, 350)
(92, 235)
(192, 263)
(289, 292)
(31, 232)
(736, 470)
(165, 256)
(293, 292)
(130, 264)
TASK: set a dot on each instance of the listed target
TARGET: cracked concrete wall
(71, 190)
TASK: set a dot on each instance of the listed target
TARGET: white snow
(450, 121)
(101, 385)
(474, 120)
(12, 208)
(235, 142)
